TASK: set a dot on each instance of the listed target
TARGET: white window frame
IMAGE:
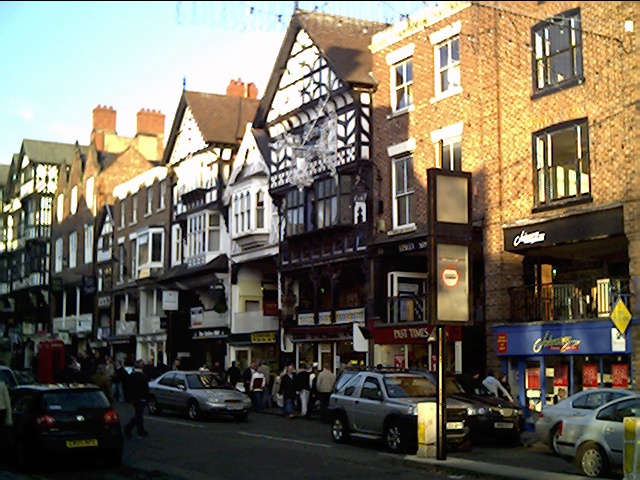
(123, 213)
(149, 210)
(89, 193)
(400, 59)
(400, 152)
(449, 135)
(163, 194)
(88, 244)
(73, 249)
(408, 193)
(60, 208)
(440, 39)
(58, 255)
(147, 238)
(213, 229)
(176, 246)
(74, 200)
(134, 208)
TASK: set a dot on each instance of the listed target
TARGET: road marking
(175, 422)
(291, 440)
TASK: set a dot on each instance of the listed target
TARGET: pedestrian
(101, 379)
(266, 392)
(313, 390)
(118, 380)
(325, 382)
(288, 389)
(494, 386)
(136, 393)
(6, 417)
(247, 374)
(303, 386)
(504, 381)
(256, 389)
(177, 364)
(234, 376)
(71, 372)
(276, 390)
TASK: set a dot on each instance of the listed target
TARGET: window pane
(400, 177)
(455, 50)
(561, 67)
(444, 56)
(402, 210)
(156, 253)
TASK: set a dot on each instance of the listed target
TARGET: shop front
(245, 348)
(548, 361)
(415, 346)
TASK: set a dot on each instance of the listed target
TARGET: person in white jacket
(493, 385)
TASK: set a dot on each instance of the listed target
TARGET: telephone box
(51, 354)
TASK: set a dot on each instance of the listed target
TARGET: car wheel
(553, 438)
(592, 460)
(241, 417)
(340, 428)
(395, 438)
(194, 410)
(154, 408)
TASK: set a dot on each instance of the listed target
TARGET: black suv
(383, 404)
(55, 420)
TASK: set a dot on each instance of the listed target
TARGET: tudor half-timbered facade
(317, 112)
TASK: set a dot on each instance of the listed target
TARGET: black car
(488, 415)
(55, 420)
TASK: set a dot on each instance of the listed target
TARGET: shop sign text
(529, 238)
(561, 344)
(411, 333)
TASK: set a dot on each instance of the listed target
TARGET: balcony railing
(548, 302)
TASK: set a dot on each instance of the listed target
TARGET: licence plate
(455, 425)
(503, 425)
(82, 443)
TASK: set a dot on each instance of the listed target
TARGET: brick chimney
(104, 121)
(238, 88)
(150, 122)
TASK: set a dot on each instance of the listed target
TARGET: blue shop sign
(585, 338)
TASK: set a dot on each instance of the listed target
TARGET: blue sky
(59, 60)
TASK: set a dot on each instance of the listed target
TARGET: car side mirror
(181, 387)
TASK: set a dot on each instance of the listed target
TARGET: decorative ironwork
(315, 148)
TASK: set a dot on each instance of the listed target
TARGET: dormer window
(74, 200)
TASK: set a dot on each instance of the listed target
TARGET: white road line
(290, 440)
(174, 422)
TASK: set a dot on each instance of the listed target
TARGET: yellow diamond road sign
(621, 316)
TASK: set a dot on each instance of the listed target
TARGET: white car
(595, 441)
(578, 404)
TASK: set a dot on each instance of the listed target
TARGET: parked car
(8, 376)
(381, 404)
(62, 420)
(200, 394)
(595, 441)
(487, 415)
(581, 403)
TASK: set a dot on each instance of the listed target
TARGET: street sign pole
(441, 425)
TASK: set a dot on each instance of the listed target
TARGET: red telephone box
(51, 355)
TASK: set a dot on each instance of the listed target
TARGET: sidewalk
(532, 461)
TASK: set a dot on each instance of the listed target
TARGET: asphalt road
(267, 447)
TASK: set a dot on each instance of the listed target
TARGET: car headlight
(476, 411)
(214, 400)
(247, 399)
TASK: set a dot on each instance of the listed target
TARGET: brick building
(538, 101)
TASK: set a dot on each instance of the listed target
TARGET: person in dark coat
(136, 392)
(233, 374)
(71, 372)
(118, 380)
(289, 390)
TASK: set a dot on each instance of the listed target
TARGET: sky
(59, 60)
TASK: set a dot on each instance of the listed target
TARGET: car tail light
(45, 421)
(560, 428)
(111, 416)
(541, 415)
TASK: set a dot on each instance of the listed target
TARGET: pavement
(532, 460)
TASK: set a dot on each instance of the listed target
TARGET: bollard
(427, 430)
(631, 450)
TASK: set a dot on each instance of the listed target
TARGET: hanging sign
(561, 376)
(620, 375)
(590, 375)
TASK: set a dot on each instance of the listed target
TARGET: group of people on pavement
(302, 390)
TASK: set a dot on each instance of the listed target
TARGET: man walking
(494, 386)
(288, 390)
(303, 385)
(324, 383)
(136, 392)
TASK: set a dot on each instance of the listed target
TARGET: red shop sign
(533, 378)
(501, 340)
(561, 376)
(590, 375)
(620, 375)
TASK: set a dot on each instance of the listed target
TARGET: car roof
(48, 387)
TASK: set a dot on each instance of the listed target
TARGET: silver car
(383, 404)
(595, 441)
(578, 404)
(198, 393)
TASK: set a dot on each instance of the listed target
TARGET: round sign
(450, 277)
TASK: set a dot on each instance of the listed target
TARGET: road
(267, 447)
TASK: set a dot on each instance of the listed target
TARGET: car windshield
(467, 385)
(408, 386)
(71, 401)
(203, 381)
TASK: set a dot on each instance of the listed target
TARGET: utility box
(427, 431)
(631, 450)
